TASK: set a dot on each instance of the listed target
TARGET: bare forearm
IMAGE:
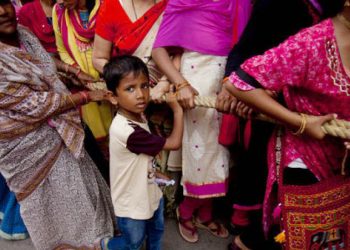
(99, 63)
(264, 103)
(64, 67)
(166, 65)
(174, 141)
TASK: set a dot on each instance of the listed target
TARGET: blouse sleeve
(283, 65)
(105, 24)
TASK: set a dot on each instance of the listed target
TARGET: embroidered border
(334, 64)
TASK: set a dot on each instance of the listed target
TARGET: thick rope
(335, 127)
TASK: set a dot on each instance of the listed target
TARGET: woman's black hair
(119, 67)
(331, 8)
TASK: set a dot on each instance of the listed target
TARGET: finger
(233, 106)
(226, 106)
(327, 118)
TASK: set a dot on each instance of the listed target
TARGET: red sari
(113, 24)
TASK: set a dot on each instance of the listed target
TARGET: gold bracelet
(302, 125)
(182, 85)
(71, 100)
(225, 79)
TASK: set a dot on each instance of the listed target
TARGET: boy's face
(133, 94)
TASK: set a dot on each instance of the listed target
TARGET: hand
(100, 95)
(158, 91)
(83, 77)
(314, 125)
(160, 175)
(225, 102)
(243, 110)
(172, 102)
(185, 97)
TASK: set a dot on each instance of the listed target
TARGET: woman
(74, 25)
(64, 201)
(262, 33)
(312, 70)
(203, 31)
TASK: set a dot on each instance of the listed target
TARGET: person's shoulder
(120, 127)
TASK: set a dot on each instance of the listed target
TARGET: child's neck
(131, 116)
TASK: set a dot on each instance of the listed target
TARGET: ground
(171, 241)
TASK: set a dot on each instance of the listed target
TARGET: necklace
(134, 9)
(344, 21)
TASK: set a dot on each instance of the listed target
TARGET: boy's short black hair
(118, 67)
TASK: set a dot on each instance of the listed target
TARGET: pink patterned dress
(308, 69)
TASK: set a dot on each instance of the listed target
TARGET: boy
(137, 199)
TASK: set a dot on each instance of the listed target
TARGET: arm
(163, 85)
(186, 94)
(261, 101)
(101, 53)
(174, 141)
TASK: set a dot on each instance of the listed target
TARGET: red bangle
(85, 96)
(79, 71)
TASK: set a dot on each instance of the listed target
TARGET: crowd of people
(87, 167)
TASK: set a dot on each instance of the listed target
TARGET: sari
(33, 16)
(64, 201)
(74, 44)
(131, 38)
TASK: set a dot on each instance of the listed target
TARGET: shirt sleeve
(105, 24)
(140, 141)
(284, 65)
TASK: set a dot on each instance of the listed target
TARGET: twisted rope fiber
(335, 127)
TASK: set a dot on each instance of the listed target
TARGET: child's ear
(112, 98)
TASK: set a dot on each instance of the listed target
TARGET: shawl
(75, 37)
(113, 24)
(201, 26)
(33, 16)
(31, 94)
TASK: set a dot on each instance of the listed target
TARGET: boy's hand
(172, 102)
(162, 176)
(186, 95)
(158, 91)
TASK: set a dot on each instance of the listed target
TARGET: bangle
(302, 125)
(71, 100)
(85, 96)
(66, 67)
(181, 85)
(78, 72)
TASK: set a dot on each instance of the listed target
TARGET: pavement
(171, 241)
